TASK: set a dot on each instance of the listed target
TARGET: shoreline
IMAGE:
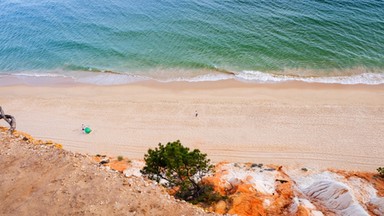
(111, 78)
(292, 124)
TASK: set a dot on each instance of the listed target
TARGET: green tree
(175, 166)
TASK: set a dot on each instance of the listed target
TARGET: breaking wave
(118, 78)
(261, 77)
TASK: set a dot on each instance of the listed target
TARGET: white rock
(357, 191)
(316, 213)
(132, 172)
(263, 182)
(379, 203)
(336, 197)
(266, 203)
(362, 190)
(306, 204)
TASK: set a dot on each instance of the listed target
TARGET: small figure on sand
(196, 114)
(86, 129)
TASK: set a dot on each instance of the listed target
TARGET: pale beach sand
(292, 124)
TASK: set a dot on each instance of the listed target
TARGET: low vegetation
(381, 171)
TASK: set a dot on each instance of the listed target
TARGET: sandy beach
(292, 124)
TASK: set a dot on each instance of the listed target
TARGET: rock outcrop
(40, 177)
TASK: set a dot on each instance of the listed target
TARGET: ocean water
(116, 42)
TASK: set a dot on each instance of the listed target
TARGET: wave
(93, 77)
(107, 77)
(261, 77)
(25, 74)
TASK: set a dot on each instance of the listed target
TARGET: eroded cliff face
(254, 189)
(340, 192)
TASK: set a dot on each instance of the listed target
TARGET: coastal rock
(336, 197)
(247, 204)
(134, 169)
(252, 192)
(104, 161)
(220, 207)
(339, 192)
(304, 207)
(377, 205)
(233, 175)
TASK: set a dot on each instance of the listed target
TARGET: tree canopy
(175, 166)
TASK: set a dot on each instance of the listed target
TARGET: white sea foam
(37, 74)
(62, 77)
(200, 78)
(109, 79)
(105, 78)
(261, 77)
(34, 78)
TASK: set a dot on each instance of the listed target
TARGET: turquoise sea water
(113, 42)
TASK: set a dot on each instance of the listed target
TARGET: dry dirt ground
(47, 180)
(40, 178)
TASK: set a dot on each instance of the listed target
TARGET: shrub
(381, 171)
(175, 166)
(120, 158)
(208, 196)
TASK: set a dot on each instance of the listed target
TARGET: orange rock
(247, 205)
(245, 188)
(28, 138)
(283, 198)
(302, 211)
(220, 207)
(218, 184)
(96, 158)
(376, 181)
(246, 200)
(173, 191)
(118, 165)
